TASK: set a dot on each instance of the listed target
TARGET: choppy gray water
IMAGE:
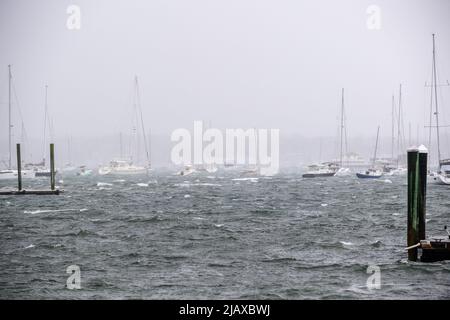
(218, 236)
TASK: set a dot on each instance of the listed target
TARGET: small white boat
(122, 167)
(371, 173)
(321, 170)
(187, 170)
(83, 171)
(441, 178)
(12, 174)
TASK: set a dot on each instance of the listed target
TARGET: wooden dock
(432, 248)
(21, 191)
(435, 250)
(30, 192)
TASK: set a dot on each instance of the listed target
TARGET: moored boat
(327, 169)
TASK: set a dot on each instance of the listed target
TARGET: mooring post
(19, 168)
(417, 180)
(422, 205)
(52, 166)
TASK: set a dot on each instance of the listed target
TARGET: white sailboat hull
(12, 174)
(122, 171)
(437, 178)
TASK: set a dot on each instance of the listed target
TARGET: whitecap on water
(187, 196)
(142, 184)
(245, 179)
(55, 210)
(208, 184)
(218, 225)
(324, 204)
(345, 243)
(102, 184)
(30, 246)
(184, 184)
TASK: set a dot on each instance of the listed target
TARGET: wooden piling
(417, 179)
(422, 201)
(52, 166)
(22, 191)
(19, 168)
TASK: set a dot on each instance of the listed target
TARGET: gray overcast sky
(236, 63)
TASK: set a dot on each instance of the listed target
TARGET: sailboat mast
(399, 123)
(393, 128)
(121, 145)
(436, 103)
(45, 121)
(9, 115)
(342, 127)
(142, 121)
(376, 147)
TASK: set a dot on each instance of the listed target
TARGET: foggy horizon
(283, 68)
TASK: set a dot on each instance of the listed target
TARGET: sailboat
(331, 169)
(40, 169)
(253, 170)
(372, 172)
(187, 170)
(12, 173)
(395, 167)
(342, 171)
(125, 166)
(442, 176)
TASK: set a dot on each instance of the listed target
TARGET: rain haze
(130, 167)
(232, 64)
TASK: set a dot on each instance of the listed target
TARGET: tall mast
(376, 147)
(69, 152)
(409, 133)
(121, 145)
(399, 123)
(9, 115)
(393, 128)
(436, 103)
(45, 120)
(142, 121)
(342, 127)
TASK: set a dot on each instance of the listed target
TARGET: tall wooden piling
(52, 166)
(422, 202)
(19, 168)
(417, 180)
